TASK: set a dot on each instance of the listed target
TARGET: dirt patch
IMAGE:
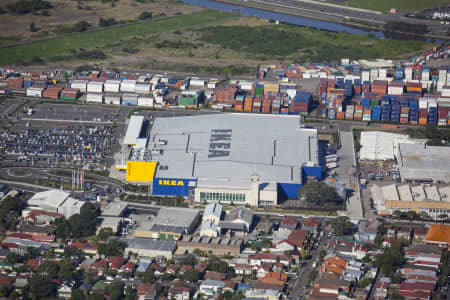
(65, 12)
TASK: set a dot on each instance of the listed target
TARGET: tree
(72, 252)
(39, 287)
(342, 226)
(149, 276)
(66, 270)
(317, 194)
(115, 290)
(191, 275)
(33, 27)
(145, 15)
(12, 258)
(189, 260)
(104, 234)
(364, 282)
(49, 269)
(266, 243)
(77, 295)
(391, 259)
(130, 293)
(112, 248)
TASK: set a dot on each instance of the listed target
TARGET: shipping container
(114, 99)
(35, 92)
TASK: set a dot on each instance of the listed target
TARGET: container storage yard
(378, 91)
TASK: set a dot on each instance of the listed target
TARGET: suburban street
(298, 290)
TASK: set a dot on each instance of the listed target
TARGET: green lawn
(300, 44)
(401, 5)
(89, 40)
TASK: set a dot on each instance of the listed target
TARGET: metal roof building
(133, 130)
(379, 145)
(56, 201)
(424, 163)
(232, 158)
(150, 248)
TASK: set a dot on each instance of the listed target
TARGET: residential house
(332, 286)
(312, 225)
(272, 281)
(272, 258)
(157, 269)
(263, 294)
(148, 291)
(128, 268)
(404, 232)
(381, 288)
(179, 293)
(100, 267)
(211, 288)
(116, 262)
(367, 230)
(297, 239)
(243, 269)
(288, 223)
(172, 269)
(420, 232)
(414, 289)
(213, 275)
(87, 248)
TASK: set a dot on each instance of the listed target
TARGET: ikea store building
(235, 158)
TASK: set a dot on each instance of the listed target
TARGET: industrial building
(55, 201)
(228, 158)
(421, 163)
(170, 224)
(150, 248)
(428, 199)
(380, 145)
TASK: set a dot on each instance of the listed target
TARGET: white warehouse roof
(226, 149)
(420, 162)
(133, 130)
(379, 145)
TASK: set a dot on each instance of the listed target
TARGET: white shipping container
(143, 88)
(113, 99)
(246, 85)
(95, 87)
(34, 92)
(164, 79)
(212, 84)
(129, 97)
(393, 90)
(112, 86)
(365, 76)
(143, 78)
(128, 86)
(159, 99)
(155, 80)
(424, 84)
(197, 82)
(79, 84)
(432, 103)
(97, 98)
(423, 103)
(145, 101)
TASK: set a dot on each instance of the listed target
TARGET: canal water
(283, 18)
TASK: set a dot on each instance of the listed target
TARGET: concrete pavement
(347, 159)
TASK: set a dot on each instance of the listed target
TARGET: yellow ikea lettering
(171, 182)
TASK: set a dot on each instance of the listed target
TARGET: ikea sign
(172, 186)
(170, 182)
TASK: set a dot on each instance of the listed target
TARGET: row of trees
(79, 225)
(22, 7)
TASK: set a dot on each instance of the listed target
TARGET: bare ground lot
(66, 12)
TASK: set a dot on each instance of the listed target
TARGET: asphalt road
(299, 290)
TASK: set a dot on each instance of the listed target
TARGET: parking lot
(88, 113)
(47, 144)
(376, 172)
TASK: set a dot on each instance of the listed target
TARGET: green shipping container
(67, 98)
(188, 101)
(374, 102)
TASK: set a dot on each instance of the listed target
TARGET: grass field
(89, 40)
(401, 5)
(304, 44)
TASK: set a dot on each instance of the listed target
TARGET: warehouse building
(228, 158)
(422, 199)
(170, 224)
(421, 163)
(379, 145)
(55, 201)
(150, 248)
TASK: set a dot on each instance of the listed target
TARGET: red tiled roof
(290, 221)
(214, 275)
(84, 246)
(116, 262)
(5, 280)
(298, 237)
